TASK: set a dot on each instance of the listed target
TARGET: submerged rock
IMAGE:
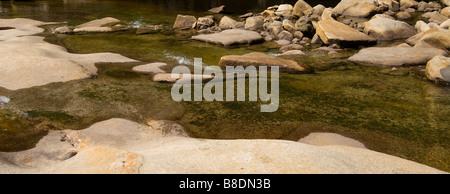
(149, 29)
(260, 59)
(63, 30)
(292, 52)
(438, 69)
(333, 32)
(150, 68)
(174, 77)
(396, 56)
(230, 37)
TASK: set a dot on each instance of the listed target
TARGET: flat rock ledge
(396, 56)
(230, 37)
(119, 146)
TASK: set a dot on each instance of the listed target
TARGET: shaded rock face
(388, 29)
(184, 21)
(230, 37)
(333, 32)
(396, 56)
(438, 69)
(119, 146)
(261, 59)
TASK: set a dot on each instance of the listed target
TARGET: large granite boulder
(184, 21)
(302, 8)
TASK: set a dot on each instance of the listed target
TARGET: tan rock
(434, 38)
(217, 9)
(403, 15)
(362, 9)
(284, 10)
(254, 23)
(230, 37)
(396, 56)
(302, 8)
(292, 52)
(227, 23)
(436, 66)
(333, 32)
(445, 25)
(261, 59)
(99, 22)
(137, 148)
(388, 29)
(184, 21)
(421, 26)
(446, 12)
(408, 3)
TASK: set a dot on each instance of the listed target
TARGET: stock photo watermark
(235, 80)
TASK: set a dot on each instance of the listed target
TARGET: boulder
(388, 29)
(446, 12)
(275, 27)
(227, 23)
(318, 10)
(438, 69)
(305, 26)
(421, 26)
(434, 38)
(150, 68)
(184, 21)
(261, 59)
(445, 25)
(421, 6)
(288, 25)
(219, 9)
(205, 22)
(298, 34)
(446, 2)
(435, 17)
(254, 23)
(403, 15)
(63, 30)
(333, 32)
(99, 22)
(365, 6)
(408, 3)
(383, 16)
(284, 10)
(230, 37)
(396, 56)
(285, 35)
(362, 9)
(302, 8)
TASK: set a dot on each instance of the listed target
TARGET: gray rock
(149, 29)
(230, 37)
(305, 26)
(396, 56)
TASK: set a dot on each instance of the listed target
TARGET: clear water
(395, 112)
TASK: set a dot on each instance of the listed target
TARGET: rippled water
(395, 112)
